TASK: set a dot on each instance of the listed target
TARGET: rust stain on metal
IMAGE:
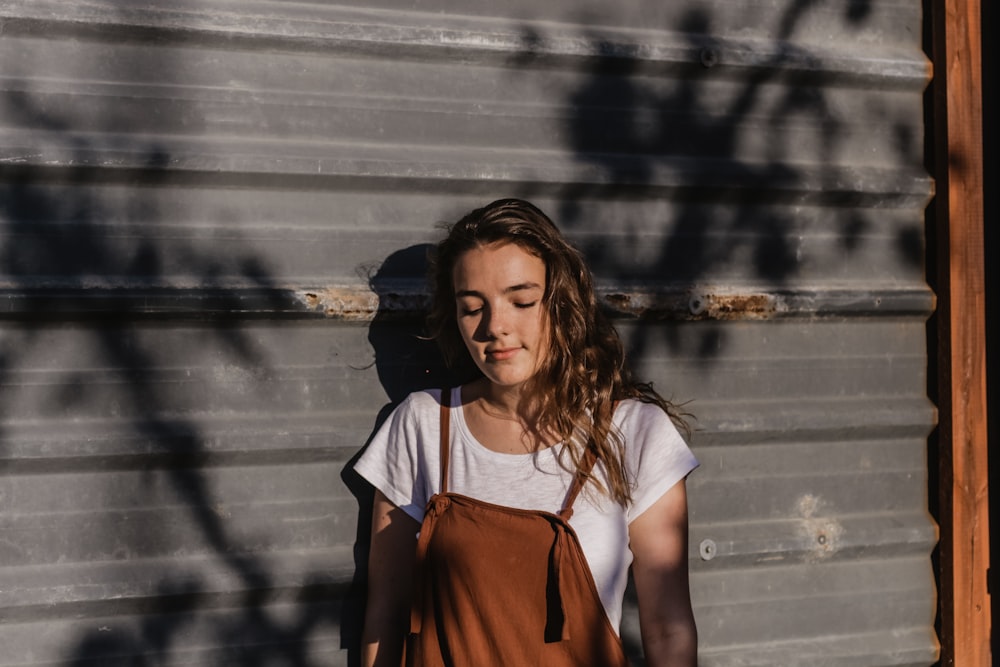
(344, 303)
(359, 304)
(738, 306)
(821, 534)
(692, 305)
(620, 301)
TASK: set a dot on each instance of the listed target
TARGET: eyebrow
(520, 287)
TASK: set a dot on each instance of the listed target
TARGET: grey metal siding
(212, 223)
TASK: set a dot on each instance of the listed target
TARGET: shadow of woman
(406, 360)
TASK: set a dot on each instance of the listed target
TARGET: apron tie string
(556, 628)
(435, 507)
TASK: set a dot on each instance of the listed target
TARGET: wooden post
(958, 165)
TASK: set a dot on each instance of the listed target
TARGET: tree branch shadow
(64, 243)
(72, 259)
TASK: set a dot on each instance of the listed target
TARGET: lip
(502, 353)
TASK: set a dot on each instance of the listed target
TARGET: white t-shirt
(403, 462)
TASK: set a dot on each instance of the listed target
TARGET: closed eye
(526, 305)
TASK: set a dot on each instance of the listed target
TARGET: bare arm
(390, 573)
(658, 539)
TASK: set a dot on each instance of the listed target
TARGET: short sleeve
(395, 461)
(656, 455)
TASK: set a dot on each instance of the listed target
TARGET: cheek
(466, 330)
(543, 333)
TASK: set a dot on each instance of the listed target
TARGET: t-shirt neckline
(458, 418)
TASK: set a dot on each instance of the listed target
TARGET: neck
(508, 416)
(500, 401)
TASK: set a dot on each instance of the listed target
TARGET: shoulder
(637, 418)
(415, 418)
(656, 455)
(406, 434)
(401, 458)
(419, 405)
(651, 439)
(424, 398)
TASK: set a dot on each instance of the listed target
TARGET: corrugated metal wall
(212, 218)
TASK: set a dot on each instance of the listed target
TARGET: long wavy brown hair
(583, 374)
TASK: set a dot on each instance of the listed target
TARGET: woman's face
(500, 312)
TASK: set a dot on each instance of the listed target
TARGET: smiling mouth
(500, 355)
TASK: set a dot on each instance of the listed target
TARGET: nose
(494, 323)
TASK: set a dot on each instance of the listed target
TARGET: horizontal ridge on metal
(362, 304)
(104, 587)
(116, 444)
(473, 40)
(325, 165)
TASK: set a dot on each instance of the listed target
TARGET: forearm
(382, 641)
(658, 539)
(671, 644)
(390, 564)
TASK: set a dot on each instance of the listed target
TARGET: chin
(505, 380)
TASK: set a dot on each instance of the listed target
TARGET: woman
(508, 510)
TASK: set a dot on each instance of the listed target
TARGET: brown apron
(502, 586)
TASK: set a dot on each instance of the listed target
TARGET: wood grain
(964, 502)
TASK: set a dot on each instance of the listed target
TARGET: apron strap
(435, 507)
(581, 477)
(445, 436)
